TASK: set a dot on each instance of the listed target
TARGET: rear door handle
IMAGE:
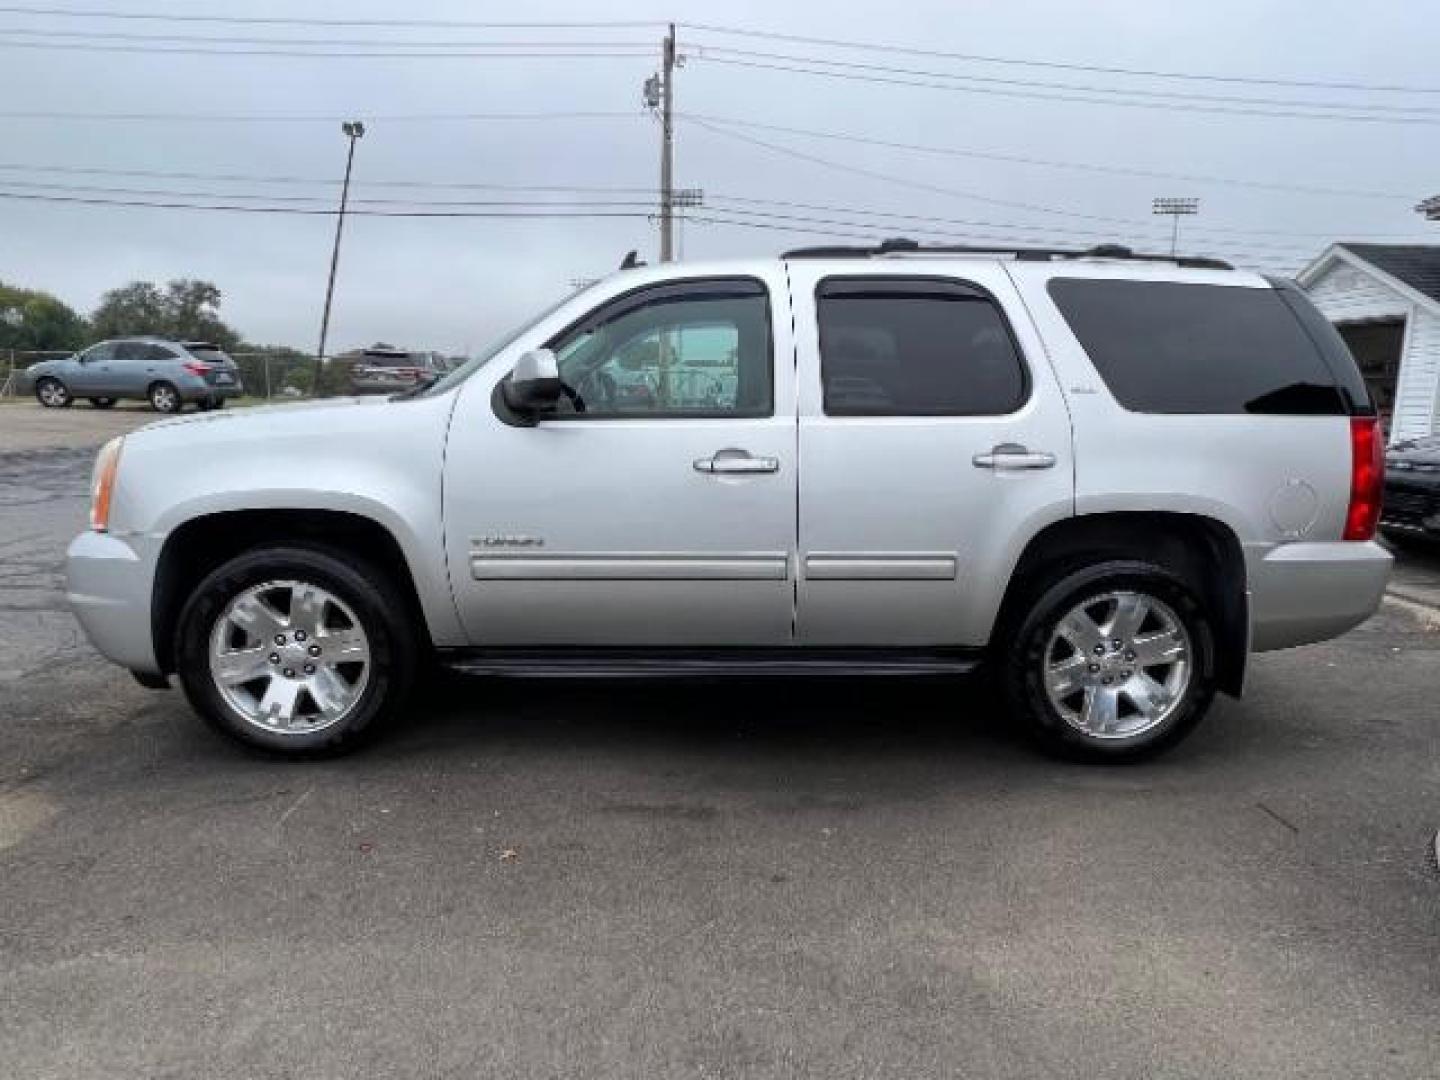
(1013, 456)
(736, 461)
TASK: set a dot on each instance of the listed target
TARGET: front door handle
(736, 461)
(1013, 456)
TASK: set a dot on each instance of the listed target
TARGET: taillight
(195, 367)
(1367, 478)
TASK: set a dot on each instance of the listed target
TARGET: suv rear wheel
(300, 651)
(1113, 662)
(165, 398)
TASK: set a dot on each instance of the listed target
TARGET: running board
(573, 663)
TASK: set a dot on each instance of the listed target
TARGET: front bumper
(110, 581)
(1301, 593)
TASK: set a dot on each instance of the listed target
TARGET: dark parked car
(384, 371)
(1412, 490)
(168, 374)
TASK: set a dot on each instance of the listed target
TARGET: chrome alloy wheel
(164, 399)
(289, 657)
(52, 393)
(1118, 665)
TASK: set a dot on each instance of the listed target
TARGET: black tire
(52, 393)
(164, 398)
(103, 402)
(1022, 666)
(379, 607)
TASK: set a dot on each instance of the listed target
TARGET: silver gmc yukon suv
(1108, 478)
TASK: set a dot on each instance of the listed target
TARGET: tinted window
(1172, 347)
(691, 349)
(915, 347)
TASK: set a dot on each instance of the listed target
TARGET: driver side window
(692, 349)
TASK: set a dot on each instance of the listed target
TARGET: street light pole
(353, 130)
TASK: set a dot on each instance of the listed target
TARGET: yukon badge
(509, 540)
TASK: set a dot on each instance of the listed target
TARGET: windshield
(475, 363)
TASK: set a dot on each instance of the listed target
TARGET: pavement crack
(1278, 817)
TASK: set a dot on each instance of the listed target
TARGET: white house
(1385, 301)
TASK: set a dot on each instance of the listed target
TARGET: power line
(253, 178)
(327, 42)
(300, 199)
(311, 54)
(860, 232)
(1138, 229)
(1046, 96)
(983, 237)
(321, 212)
(903, 181)
(1056, 65)
(298, 118)
(749, 219)
(642, 193)
(741, 204)
(890, 178)
(1167, 95)
(1018, 159)
(284, 20)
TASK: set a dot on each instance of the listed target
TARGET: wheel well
(1200, 550)
(202, 544)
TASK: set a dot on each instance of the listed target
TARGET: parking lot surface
(26, 426)
(760, 879)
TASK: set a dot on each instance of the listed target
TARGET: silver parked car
(379, 370)
(167, 374)
(1107, 477)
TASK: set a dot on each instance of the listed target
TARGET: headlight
(102, 483)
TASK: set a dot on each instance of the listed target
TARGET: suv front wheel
(300, 651)
(1114, 661)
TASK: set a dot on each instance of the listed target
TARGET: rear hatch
(213, 365)
(389, 368)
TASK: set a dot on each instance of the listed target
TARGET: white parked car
(1109, 478)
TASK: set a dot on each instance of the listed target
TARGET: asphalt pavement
(762, 879)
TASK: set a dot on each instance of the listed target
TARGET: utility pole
(1174, 209)
(353, 130)
(667, 148)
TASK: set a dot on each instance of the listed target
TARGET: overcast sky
(453, 284)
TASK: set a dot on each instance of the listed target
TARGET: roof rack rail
(902, 246)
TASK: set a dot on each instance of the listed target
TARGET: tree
(186, 309)
(37, 320)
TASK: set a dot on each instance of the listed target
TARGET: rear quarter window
(1179, 347)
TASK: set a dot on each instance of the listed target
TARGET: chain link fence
(267, 376)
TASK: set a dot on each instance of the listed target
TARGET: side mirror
(534, 386)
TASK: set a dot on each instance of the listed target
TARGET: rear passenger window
(1173, 347)
(915, 347)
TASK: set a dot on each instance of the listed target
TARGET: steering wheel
(597, 386)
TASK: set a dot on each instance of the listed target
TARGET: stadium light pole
(353, 130)
(1175, 209)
